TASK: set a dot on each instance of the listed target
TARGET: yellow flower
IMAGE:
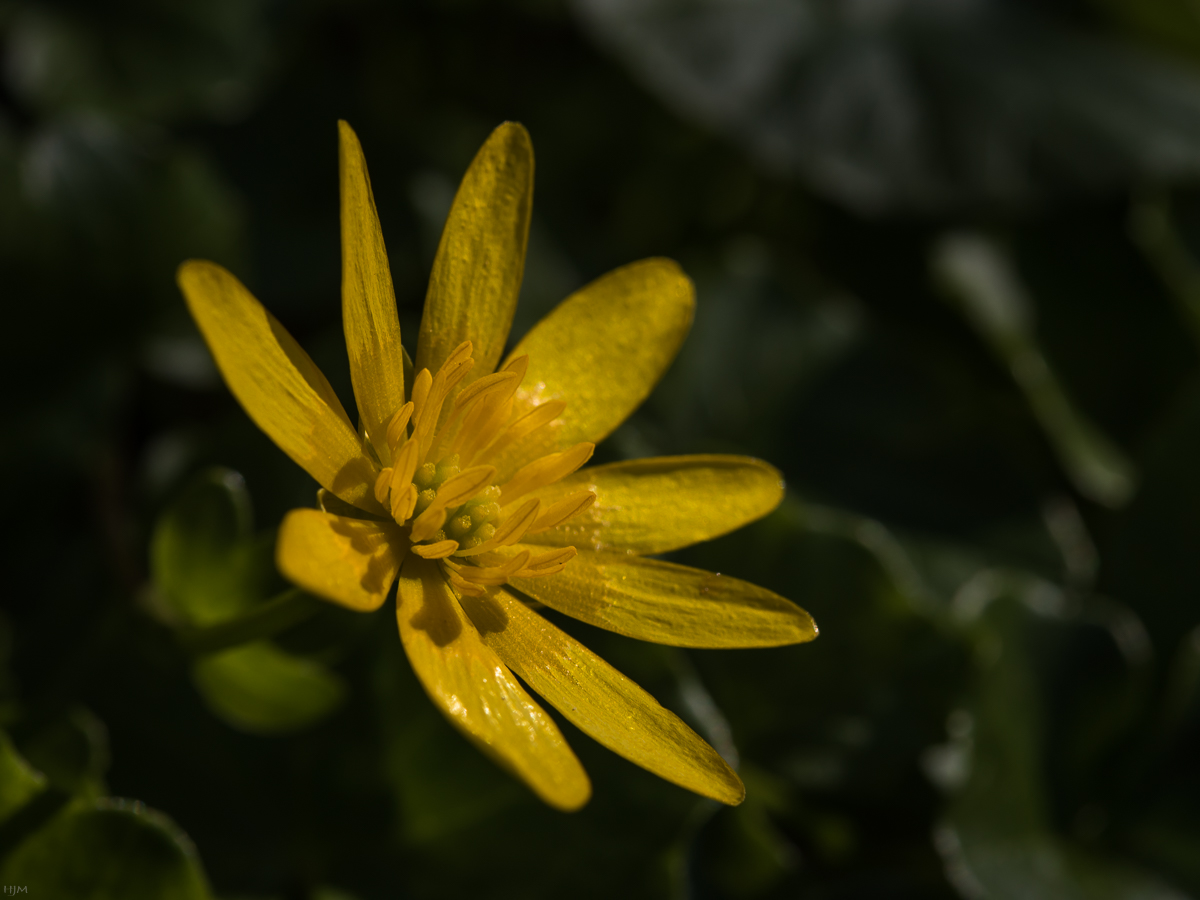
(461, 482)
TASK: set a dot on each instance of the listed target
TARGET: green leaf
(999, 839)
(19, 781)
(108, 850)
(205, 563)
(72, 751)
(260, 689)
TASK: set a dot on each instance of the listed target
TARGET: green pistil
(473, 522)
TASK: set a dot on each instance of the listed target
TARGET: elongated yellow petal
(627, 325)
(658, 601)
(480, 260)
(368, 300)
(598, 699)
(475, 690)
(349, 561)
(277, 384)
(654, 505)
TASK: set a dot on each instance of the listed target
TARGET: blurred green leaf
(107, 850)
(19, 781)
(986, 288)
(260, 689)
(754, 855)
(203, 559)
(1152, 561)
(999, 839)
(72, 751)
(213, 573)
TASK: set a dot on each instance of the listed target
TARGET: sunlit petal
(658, 601)
(368, 301)
(349, 561)
(477, 272)
(475, 690)
(598, 699)
(654, 505)
(277, 384)
(602, 350)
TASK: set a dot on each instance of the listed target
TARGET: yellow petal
(277, 384)
(471, 686)
(349, 561)
(654, 505)
(602, 350)
(658, 601)
(598, 699)
(477, 272)
(368, 301)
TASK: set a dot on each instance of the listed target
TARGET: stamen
(492, 574)
(397, 429)
(482, 424)
(497, 381)
(453, 370)
(563, 510)
(447, 498)
(519, 365)
(474, 396)
(541, 415)
(463, 586)
(465, 485)
(404, 467)
(383, 484)
(546, 470)
(421, 385)
(427, 523)
(439, 550)
(404, 502)
(548, 563)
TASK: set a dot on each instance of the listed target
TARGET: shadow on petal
(436, 617)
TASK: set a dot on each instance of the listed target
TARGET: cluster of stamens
(439, 482)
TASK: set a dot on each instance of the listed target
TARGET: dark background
(944, 262)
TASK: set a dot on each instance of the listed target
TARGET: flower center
(442, 479)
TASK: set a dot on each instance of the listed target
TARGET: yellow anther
(465, 587)
(492, 574)
(404, 502)
(465, 485)
(397, 429)
(563, 510)
(428, 523)
(404, 467)
(546, 470)
(518, 365)
(547, 563)
(538, 417)
(497, 382)
(420, 392)
(438, 550)
(383, 484)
